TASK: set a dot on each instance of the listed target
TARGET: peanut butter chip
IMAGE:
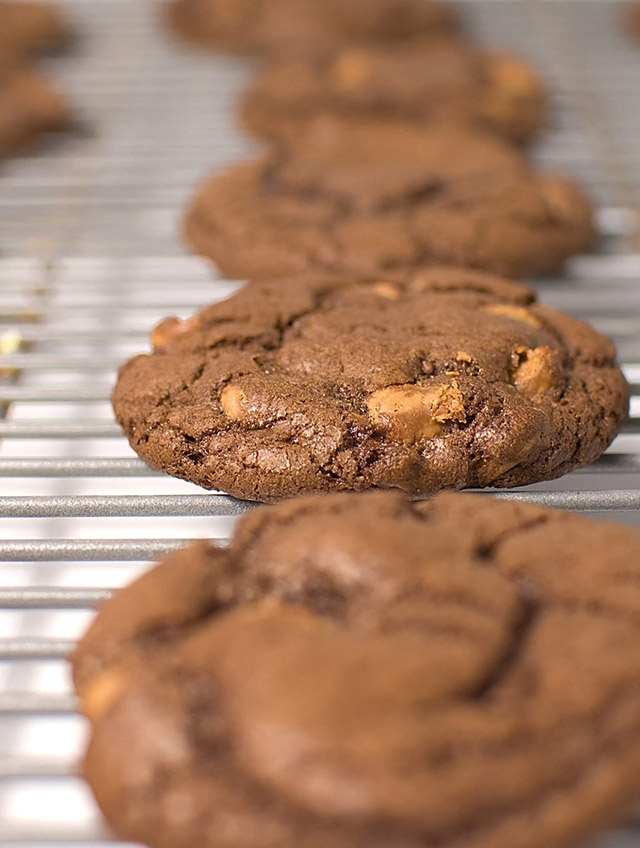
(233, 402)
(171, 329)
(104, 690)
(512, 74)
(351, 69)
(411, 413)
(387, 290)
(535, 374)
(558, 200)
(518, 313)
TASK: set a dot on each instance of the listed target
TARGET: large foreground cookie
(30, 27)
(265, 25)
(423, 80)
(374, 197)
(360, 671)
(29, 107)
(454, 379)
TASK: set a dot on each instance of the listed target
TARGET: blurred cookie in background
(631, 20)
(30, 107)
(378, 197)
(425, 79)
(29, 28)
(257, 26)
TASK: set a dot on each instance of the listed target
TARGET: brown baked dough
(358, 670)
(29, 107)
(452, 379)
(424, 80)
(30, 27)
(375, 197)
(258, 26)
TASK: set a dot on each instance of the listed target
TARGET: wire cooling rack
(90, 261)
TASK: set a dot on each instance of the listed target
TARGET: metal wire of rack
(91, 261)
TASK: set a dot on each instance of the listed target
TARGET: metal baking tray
(91, 259)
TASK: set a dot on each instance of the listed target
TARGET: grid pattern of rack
(91, 260)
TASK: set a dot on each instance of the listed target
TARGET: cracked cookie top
(450, 379)
(377, 197)
(32, 27)
(426, 79)
(273, 25)
(361, 670)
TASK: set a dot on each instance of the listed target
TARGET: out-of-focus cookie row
(30, 106)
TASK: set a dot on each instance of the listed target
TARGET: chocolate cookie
(453, 379)
(29, 107)
(424, 80)
(30, 28)
(374, 197)
(630, 19)
(265, 25)
(358, 670)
